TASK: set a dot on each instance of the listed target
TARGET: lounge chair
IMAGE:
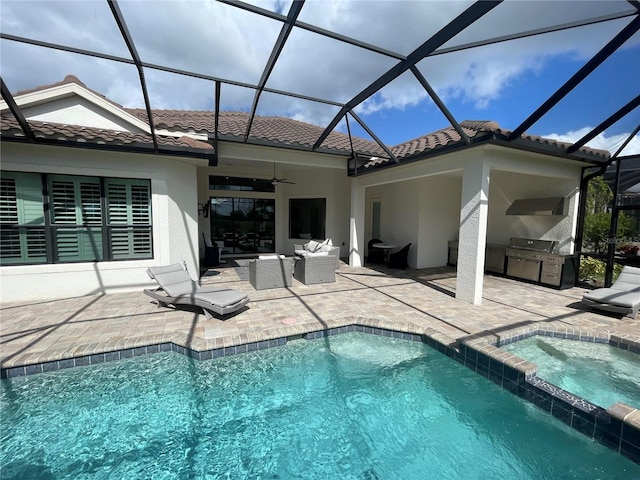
(180, 289)
(621, 297)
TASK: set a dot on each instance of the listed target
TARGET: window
(307, 218)
(240, 184)
(88, 218)
(243, 225)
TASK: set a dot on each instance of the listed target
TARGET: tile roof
(443, 137)
(276, 130)
(475, 130)
(64, 133)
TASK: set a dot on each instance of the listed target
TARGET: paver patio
(409, 300)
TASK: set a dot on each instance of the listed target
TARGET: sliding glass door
(243, 225)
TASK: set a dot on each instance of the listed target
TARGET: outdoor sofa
(315, 246)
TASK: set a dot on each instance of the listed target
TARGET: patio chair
(621, 297)
(274, 271)
(177, 288)
(375, 255)
(399, 259)
(211, 252)
(315, 268)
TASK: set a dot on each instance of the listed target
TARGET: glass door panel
(243, 225)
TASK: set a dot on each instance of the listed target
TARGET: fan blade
(283, 180)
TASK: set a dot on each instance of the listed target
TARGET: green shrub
(591, 268)
(594, 269)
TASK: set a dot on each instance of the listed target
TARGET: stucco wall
(174, 222)
(329, 183)
(425, 209)
(424, 212)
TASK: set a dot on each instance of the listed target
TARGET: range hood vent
(537, 206)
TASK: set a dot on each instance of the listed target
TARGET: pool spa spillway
(347, 406)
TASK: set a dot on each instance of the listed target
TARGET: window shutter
(129, 217)
(63, 202)
(22, 218)
(76, 201)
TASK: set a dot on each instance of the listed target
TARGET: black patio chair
(399, 259)
(374, 255)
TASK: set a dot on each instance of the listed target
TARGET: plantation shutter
(75, 201)
(22, 219)
(129, 218)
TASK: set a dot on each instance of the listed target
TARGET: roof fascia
(175, 152)
(66, 90)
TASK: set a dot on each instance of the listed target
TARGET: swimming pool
(351, 406)
(598, 372)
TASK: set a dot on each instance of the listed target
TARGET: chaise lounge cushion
(621, 297)
(180, 289)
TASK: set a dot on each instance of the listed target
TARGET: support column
(356, 224)
(473, 231)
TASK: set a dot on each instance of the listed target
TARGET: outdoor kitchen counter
(543, 268)
(495, 260)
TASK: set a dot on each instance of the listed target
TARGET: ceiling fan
(275, 180)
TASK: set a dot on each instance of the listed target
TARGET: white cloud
(601, 141)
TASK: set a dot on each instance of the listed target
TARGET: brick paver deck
(409, 300)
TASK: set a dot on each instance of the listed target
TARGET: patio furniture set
(314, 262)
(380, 252)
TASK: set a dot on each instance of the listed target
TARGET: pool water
(599, 373)
(352, 406)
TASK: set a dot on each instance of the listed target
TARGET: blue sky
(607, 89)
(505, 82)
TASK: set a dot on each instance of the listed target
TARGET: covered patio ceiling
(333, 64)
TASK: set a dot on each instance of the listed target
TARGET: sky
(504, 82)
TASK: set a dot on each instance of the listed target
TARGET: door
(376, 205)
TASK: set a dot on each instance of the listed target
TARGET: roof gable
(71, 102)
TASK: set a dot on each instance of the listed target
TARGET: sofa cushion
(312, 245)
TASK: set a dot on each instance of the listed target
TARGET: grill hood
(537, 206)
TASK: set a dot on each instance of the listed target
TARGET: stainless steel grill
(525, 257)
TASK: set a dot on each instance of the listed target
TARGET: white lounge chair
(180, 289)
(621, 297)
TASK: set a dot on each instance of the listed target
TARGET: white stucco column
(473, 231)
(356, 224)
